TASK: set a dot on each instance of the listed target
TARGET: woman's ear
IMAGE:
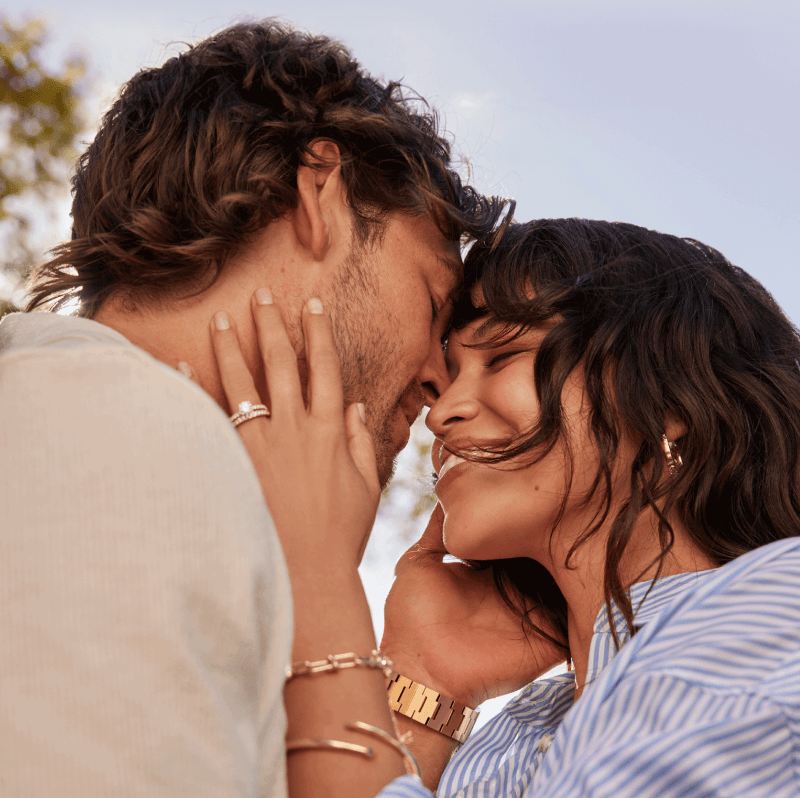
(674, 428)
(320, 197)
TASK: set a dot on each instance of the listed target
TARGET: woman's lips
(449, 463)
(452, 469)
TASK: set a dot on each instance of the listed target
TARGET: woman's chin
(459, 543)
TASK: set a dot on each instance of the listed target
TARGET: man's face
(390, 304)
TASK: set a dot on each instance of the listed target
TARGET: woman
(620, 443)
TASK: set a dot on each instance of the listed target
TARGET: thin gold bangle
(411, 761)
(339, 745)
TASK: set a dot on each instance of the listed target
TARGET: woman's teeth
(449, 463)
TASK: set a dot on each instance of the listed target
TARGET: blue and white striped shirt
(704, 701)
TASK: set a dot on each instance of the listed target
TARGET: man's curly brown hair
(197, 156)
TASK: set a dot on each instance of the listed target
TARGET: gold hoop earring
(671, 455)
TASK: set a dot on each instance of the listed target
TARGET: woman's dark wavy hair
(198, 155)
(658, 326)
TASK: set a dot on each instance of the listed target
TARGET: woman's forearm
(332, 617)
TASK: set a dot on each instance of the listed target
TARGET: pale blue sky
(680, 116)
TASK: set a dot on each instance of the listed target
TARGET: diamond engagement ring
(247, 411)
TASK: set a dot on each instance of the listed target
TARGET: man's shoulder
(48, 361)
(99, 438)
(44, 354)
(37, 332)
(85, 410)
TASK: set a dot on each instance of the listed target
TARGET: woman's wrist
(414, 669)
(432, 748)
(332, 618)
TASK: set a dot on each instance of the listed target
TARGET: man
(146, 611)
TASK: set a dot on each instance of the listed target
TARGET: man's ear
(319, 193)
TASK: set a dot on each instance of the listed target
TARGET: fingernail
(362, 411)
(185, 369)
(221, 320)
(264, 296)
(315, 306)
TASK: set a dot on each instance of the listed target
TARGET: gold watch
(426, 706)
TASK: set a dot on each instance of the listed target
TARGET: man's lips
(411, 404)
(409, 417)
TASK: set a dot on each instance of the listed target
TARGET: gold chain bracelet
(337, 662)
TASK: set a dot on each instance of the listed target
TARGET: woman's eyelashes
(502, 357)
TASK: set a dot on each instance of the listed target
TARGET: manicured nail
(362, 411)
(221, 320)
(264, 296)
(185, 369)
(315, 306)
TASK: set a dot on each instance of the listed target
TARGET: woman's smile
(451, 461)
(490, 401)
(452, 467)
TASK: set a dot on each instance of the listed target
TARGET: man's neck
(180, 332)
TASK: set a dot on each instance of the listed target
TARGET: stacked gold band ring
(247, 411)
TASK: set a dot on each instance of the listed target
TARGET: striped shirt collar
(546, 701)
(647, 604)
(647, 599)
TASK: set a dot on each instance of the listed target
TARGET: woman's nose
(456, 404)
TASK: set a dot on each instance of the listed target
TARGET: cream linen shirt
(145, 607)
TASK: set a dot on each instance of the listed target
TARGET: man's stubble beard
(368, 355)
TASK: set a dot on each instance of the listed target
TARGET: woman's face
(491, 510)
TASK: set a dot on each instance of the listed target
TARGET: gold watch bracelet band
(432, 709)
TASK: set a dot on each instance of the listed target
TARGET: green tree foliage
(40, 116)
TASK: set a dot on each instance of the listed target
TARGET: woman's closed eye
(503, 357)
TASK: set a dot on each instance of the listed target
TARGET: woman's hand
(316, 464)
(317, 469)
(447, 627)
